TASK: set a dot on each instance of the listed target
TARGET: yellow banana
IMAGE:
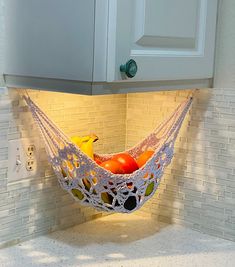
(77, 140)
(85, 143)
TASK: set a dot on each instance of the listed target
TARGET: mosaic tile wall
(198, 188)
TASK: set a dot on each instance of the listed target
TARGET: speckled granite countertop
(122, 240)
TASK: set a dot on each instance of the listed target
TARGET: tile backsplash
(37, 205)
(198, 188)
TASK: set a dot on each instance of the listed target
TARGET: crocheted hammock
(91, 184)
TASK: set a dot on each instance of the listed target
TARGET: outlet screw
(18, 162)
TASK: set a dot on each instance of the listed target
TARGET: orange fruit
(144, 157)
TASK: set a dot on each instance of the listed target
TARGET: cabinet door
(168, 39)
(50, 38)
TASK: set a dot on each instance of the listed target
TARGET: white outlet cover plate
(18, 150)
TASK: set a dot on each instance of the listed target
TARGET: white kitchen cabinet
(79, 45)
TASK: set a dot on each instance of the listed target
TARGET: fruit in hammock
(128, 163)
(85, 143)
(86, 183)
(98, 161)
(106, 198)
(77, 193)
(144, 157)
(66, 169)
(149, 189)
(70, 165)
(112, 166)
(130, 203)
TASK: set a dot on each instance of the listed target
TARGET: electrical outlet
(30, 150)
(22, 158)
(30, 165)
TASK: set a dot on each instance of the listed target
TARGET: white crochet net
(91, 184)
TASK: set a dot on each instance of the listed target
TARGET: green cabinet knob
(130, 68)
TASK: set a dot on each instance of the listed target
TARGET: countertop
(122, 240)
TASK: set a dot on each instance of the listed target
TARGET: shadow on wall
(213, 167)
(168, 205)
(180, 192)
(198, 188)
(189, 157)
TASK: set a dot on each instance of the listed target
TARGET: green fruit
(77, 193)
(87, 184)
(107, 198)
(149, 189)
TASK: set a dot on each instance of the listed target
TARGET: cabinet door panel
(168, 39)
(177, 32)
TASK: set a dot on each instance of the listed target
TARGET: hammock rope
(91, 184)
